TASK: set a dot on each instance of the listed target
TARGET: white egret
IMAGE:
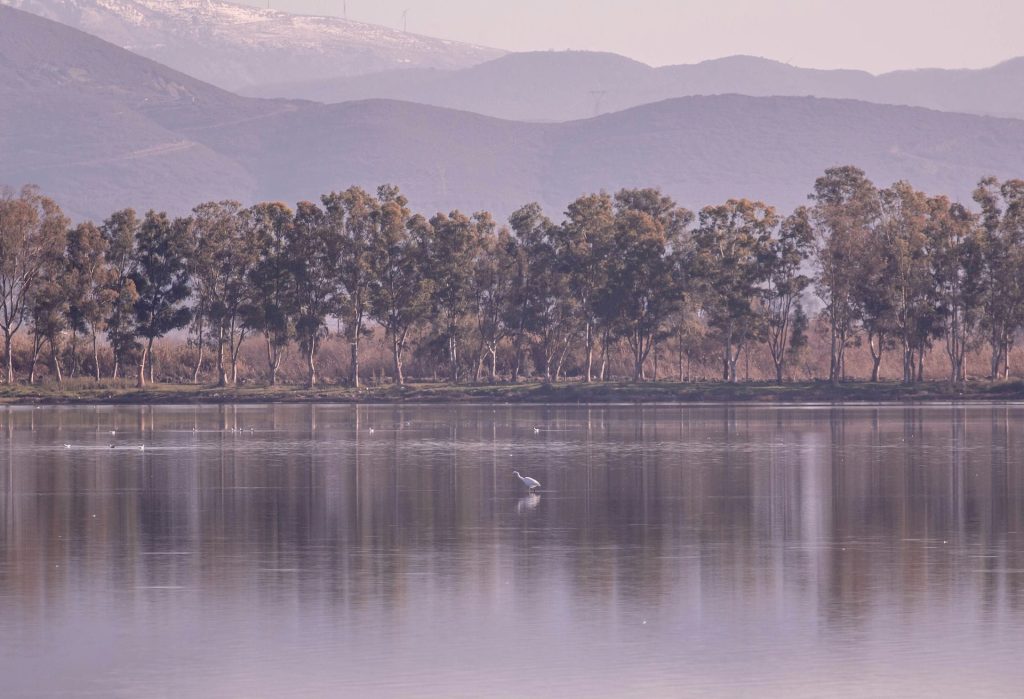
(536, 430)
(531, 484)
(67, 446)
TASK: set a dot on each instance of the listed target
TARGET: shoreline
(81, 392)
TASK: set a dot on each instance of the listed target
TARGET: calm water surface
(674, 551)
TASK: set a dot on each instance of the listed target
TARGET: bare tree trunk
(73, 369)
(222, 373)
(875, 344)
(453, 355)
(996, 343)
(727, 358)
(354, 373)
(517, 350)
(37, 347)
(10, 357)
(311, 364)
(479, 363)
(95, 354)
(605, 342)
(679, 357)
(561, 360)
(833, 367)
(397, 346)
(141, 379)
(56, 363)
(199, 360)
(590, 352)
(493, 350)
(273, 359)
(234, 350)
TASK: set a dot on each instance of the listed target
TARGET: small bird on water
(531, 484)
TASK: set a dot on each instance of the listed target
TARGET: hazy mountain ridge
(237, 45)
(100, 128)
(562, 86)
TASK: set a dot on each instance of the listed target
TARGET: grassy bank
(85, 392)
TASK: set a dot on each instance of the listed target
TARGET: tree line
(893, 268)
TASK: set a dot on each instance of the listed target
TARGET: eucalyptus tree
(353, 216)
(781, 264)
(120, 233)
(32, 231)
(957, 263)
(845, 207)
(270, 310)
(517, 310)
(92, 280)
(226, 251)
(399, 288)
(872, 296)
(691, 335)
(1002, 219)
(312, 250)
(494, 273)
(48, 311)
(585, 241)
(163, 248)
(644, 275)
(452, 246)
(907, 278)
(547, 303)
(731, 248)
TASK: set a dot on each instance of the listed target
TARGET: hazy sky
(875, 35)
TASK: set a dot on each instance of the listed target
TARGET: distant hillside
(562, 86)
(101, 128)
(234, 46)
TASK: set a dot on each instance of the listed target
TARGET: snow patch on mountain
(237, 46)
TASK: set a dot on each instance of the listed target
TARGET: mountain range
(100, 128)
(234, 46)
(567, 85)
(267, 53)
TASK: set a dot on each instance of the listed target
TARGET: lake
(319, 550)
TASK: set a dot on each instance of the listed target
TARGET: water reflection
(276, 550)
(527, 503)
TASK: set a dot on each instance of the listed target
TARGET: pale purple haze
(873, 35)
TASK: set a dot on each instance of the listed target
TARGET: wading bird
(531, 484)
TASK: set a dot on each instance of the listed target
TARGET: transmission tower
(598, 96)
